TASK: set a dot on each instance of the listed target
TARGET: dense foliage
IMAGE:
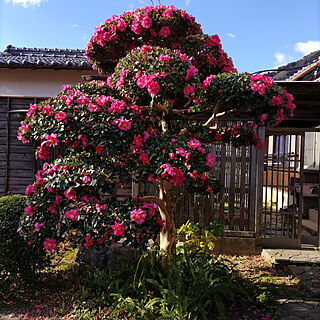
(142, 124)
(18, 259)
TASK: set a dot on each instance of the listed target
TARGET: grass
(61, 293)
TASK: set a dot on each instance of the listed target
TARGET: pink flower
(93, 107)
(194, 144)
(72, 214)
(102, 100)
(192, 71)
(71, 194)
(259, 145)
(117, 106)
(121, 25)
(49, 244)
(210, 160)
(43, 152)
(151, 178)
(194, 174)
(29, 189)
(52, 208)
(60, 116)
(29, 210)
(89, 242)
(138, 216)
(118, 229)
(218, 136)
(124, 124)
(143, 81)
(86, 179)
(145, 48)
(164, 57)
(83, 100)
(146, 22)
(65, 86)
(37, 226)
(164, 32)
(178, 178)
(136, 28)
(33, 108)
(188, 89)
(48, 110)
(51, 139)
(181, 152)
(276, 101)
(153, 87)
(137, 141)
(99, 149)
(263, 117)
(171, 155)
(144, 158)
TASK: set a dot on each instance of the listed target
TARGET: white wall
(25, 82)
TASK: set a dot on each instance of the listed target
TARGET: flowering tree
(141, 125)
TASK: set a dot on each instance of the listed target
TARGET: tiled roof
(290, 70)
(14, 57)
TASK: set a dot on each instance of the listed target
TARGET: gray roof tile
(14, 57)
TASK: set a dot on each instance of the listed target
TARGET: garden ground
(58, 294)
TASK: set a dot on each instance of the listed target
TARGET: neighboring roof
(291, 70)
(14, 57)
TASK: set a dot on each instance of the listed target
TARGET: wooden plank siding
(17, 164)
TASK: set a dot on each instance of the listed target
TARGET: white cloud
(27, 3)
(307, 47)
(231, 35)
(73, 25)
(187, 3)
(282, 59)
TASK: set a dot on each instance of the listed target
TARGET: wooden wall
(17, 165)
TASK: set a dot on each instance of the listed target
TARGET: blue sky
(256, 34)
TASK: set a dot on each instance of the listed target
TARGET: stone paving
(305, 264)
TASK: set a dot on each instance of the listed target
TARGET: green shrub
(18, 260)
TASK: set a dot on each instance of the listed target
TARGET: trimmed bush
(18, 260)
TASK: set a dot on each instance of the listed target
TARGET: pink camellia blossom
(43, 152)
(51, 139)
(261, 89)
(60, 116)
(181, 152)
(164, 57)
(102, 100)
(72, 214)
(276, 101)
(70, 195)
(65, 86)
(194, 174)
(152, 178)
(218, 136)
(29, 210)
(192, 71)
(117, 106)
(259, 145)
(32, 109)
(137, 142)
(138, 216)
(118, 229)
(37, 226)
(210, 160)
(83, 100)
(29, 189)
(164, 32)
(124, 124)
(194, 144)
(153, 87)
(69, 100)
(145, 48)
(89, 242)
(178, 178)
(188, 89)
(52, 208)
(99, 149)
(121, 25)
(50, 244)
(211, 60)
(144, 157)
(48, 111)
(263, 117)
(93, 107)
(86, 179)
(171, 155)
(136, 28)
(146, 22)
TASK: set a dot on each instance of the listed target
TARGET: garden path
(305, 264)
